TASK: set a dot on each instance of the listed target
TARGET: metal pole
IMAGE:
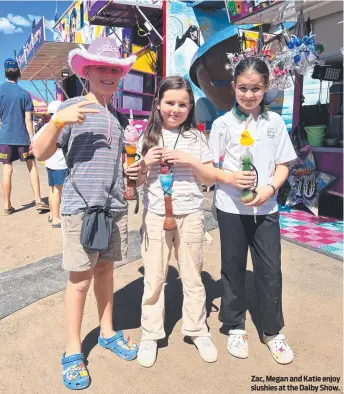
(47, 87)
(58, 83)
(114, 32)
(38, 90)
(84, 87)
(153, 28)
(298, 89)
(61, 87)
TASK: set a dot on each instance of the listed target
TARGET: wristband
(57, 122)
(273, 187)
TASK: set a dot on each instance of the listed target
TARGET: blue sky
(15, 28)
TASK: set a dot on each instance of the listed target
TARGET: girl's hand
(243, 179)
(264, 193)
(152, 157)
(178, 157)
(76, 113)
(133, 171)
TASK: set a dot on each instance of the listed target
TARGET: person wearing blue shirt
(16, 132)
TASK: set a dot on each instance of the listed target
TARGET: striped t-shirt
(187, 196)
(92, 161)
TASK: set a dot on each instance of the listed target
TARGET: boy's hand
(76, 113)
(178, 157)
(153, 156)
(264, 193)
(133, 171)
(243, 179)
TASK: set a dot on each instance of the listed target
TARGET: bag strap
(77, 189)
(122, 119)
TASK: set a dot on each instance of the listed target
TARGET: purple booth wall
(331, 163)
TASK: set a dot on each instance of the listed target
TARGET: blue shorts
(56, 177)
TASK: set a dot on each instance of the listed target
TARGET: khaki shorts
(77, 258)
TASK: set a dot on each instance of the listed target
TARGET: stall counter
(330, 161)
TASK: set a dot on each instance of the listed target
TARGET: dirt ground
(32, 339)
(26, 236)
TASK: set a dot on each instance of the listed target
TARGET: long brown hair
(153, 131)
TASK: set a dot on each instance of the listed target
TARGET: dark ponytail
(153, 131)
(255, 64)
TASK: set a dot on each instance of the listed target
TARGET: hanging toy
(166, 181)
(278, 76)
(301, 54)
(246, 141)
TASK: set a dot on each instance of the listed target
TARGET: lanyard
(163, 144)
(248, 120)
(175, 144)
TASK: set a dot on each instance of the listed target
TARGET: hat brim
(79, 59)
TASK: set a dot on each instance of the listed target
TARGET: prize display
(294, 53)
(306, 182)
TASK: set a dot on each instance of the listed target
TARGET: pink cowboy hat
(103, 51)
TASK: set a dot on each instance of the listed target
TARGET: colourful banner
(74, 26)
(250, 38)
(32, 45)
(242, 8)
(94, 6)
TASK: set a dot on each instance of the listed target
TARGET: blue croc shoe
(124, 348)
(75, 374)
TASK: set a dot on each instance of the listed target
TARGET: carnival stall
(198, 36)
(140, 24)
(127, 22)
(314, 57)
(43, 60)
(204, 42)
(40, 112)
(40, 106)
(47, 60)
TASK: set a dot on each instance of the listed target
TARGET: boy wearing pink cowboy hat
(88, 131)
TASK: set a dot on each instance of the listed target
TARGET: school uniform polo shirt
(272, 146)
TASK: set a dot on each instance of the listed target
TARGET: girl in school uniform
(254, 224)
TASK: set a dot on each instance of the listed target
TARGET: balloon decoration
(278, 76)
(301, 54)
(306, 183)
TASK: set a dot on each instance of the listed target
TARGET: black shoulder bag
(97, 221)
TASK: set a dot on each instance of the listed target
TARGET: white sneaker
(237, 344)
(280, 350)
(146, 355)
(206, 348)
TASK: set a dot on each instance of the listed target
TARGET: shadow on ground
(127, 305)
(252, 305)
(32, 204)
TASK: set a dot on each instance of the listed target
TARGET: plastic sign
(32, 44)
(241, 9)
